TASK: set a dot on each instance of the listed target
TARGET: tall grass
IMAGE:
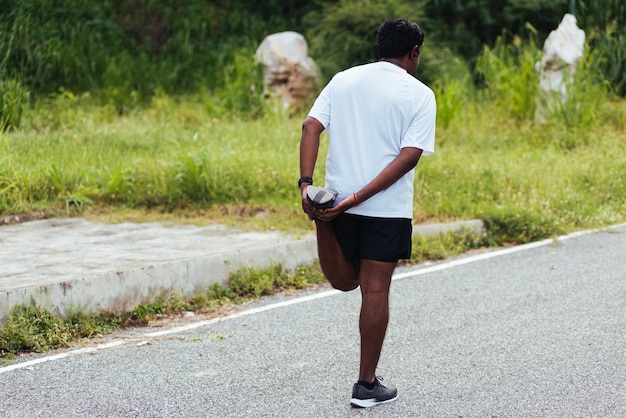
(170, 155)
(508, 77)
(13, 100)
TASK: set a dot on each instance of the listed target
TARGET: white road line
(247, 312)
(60, 356)
(413, 273)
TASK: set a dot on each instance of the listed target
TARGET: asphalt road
(532, 331)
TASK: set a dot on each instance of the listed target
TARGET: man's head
(397, 37)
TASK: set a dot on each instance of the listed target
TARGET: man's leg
(341, 273)
(375, 280)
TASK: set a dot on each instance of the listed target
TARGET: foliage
(125, 51)
(343, 33)
(253, 282)
(13, 100)
(453, 83)
(242, 89)
(604, 22)
(30, 328)
(507, 74)
(466, 27)
(583, 99)
(517, 226)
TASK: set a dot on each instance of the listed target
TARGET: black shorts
(373, 238)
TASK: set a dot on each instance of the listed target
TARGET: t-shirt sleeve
(321, 107)
(421, 131)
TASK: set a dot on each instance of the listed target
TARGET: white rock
(288, 69)
(562, 51)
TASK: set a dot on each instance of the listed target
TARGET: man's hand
(324, 215)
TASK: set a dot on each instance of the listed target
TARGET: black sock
(367, 385)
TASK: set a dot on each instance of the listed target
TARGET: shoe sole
(368, 403)
(321, 198)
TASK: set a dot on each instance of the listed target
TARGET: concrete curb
(120, 289)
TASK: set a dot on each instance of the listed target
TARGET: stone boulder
(288, 71)
(562, 51)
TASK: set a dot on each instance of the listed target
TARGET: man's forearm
(402, 164)
(309, 146)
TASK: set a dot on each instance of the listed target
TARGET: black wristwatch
(304, 180)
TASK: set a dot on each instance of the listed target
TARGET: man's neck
(395, 61)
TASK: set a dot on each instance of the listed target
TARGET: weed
(30, 328)
(217, 337)
(508, 76)
(515, 225)
(252, 282)
(143, 314)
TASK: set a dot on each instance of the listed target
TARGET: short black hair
(397, 37)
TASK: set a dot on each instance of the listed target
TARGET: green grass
(571, 176)
(169, 156)
(173, 159)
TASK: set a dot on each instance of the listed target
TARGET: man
(380, 120)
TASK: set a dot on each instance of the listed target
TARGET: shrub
(343, 33)
(13, 99)
(253, 282)
(517, 226)
(583, 100)
(507, 75)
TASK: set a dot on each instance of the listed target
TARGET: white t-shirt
(371, 112)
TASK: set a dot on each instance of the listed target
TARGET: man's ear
(415, 52)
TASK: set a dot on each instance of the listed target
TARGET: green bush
(604, 22)
(343, 33)
(242, 90)
(444, 245)
(517, 226)
(253, 282)
(466, 27)
(507, 75)
(453, 86)
(125, 51)
(584, 98)
(30, 328)
(13, 99)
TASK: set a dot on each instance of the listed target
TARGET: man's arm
(402, 164)
(309, 148)
(309, 145)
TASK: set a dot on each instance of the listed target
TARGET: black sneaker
(319, 197)
(366, 398)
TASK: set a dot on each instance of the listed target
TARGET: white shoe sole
(368, 403)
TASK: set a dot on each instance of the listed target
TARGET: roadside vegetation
(175, 129)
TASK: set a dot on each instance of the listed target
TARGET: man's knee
(344, 281)
(344, 286)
